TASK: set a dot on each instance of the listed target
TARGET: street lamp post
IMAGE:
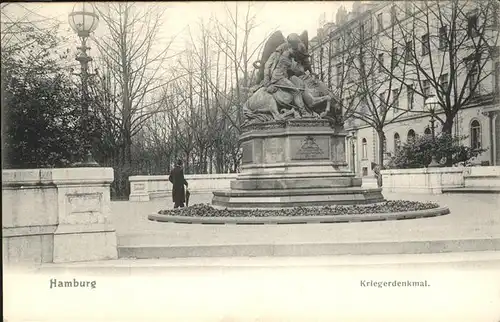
(83, 20)
(431, 104)
(353, 151)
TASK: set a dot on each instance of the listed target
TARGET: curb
(311, 249)
(495, 190)
(340, 261)
(440, 211)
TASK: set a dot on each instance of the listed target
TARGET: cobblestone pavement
(472, 216)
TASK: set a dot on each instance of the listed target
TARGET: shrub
(418, 153)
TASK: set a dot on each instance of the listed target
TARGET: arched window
(475, 134)
(410, 136)
(427, 131)
(397, 142)
(364, 152)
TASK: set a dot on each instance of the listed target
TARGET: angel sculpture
(286, 86)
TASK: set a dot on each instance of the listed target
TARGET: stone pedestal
(84, 231)
(57, 215)
(294, 163)
(138, 190)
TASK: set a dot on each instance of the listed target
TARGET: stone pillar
(433, 181)
(29, 217)
(494, 130)
(68, 208)
(84, 231)
(494, 137)
(139, 188)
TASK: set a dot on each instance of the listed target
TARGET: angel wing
(272, 43)
(304, 37)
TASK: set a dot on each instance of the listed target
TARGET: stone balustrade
(57, 215)
(433, 180)
(482, 176)
(145, 188)
(422, 180)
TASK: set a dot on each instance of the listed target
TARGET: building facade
(385, 60)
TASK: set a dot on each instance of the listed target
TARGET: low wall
(145, 188)
(482, 176)
(422, 180)
(57, 215)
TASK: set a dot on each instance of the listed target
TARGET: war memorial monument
(293, 140)
(293, 153)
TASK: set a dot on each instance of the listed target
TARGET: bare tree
(31, 39)
(446, 48)
(196, 114)
(453, 46)
(376, 91)
(20, 25)
(361, 77)
(233, 40)
(133, 64)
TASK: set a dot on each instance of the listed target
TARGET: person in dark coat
(178, 181)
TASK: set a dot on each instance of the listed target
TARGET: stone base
(237, 199)
(308, 249)
(27, 250)
(306, 181)
(74, 243)
(294, 163)
(138, 198)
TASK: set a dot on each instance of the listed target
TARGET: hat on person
(179, 162)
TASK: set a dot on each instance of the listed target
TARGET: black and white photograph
(221, 161)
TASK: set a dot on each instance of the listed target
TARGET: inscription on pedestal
(247, 153)
(338, 149)
(84, 203)
(273, 150)
(310, 148)
(139, 186)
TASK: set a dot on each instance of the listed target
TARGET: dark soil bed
(205, 210)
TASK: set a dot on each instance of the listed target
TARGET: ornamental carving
(285, 86)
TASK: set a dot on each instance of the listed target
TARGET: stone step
(263, 183)
(128, 264)
(233, 199)
(482, 181)
(309, 249)
(472, 190)
(296, 192)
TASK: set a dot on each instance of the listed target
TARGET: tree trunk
(210, 160)
(186, 166)
(380, 152)
(128, 150)
(447, 129)
(448, 125)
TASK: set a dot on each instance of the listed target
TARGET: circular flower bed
(393, 206)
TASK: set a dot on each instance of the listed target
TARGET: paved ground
(472, 216)
(465, 260)
(459, 287)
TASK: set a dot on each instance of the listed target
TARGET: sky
(286, 16)
(289, 17)
(292, 16)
